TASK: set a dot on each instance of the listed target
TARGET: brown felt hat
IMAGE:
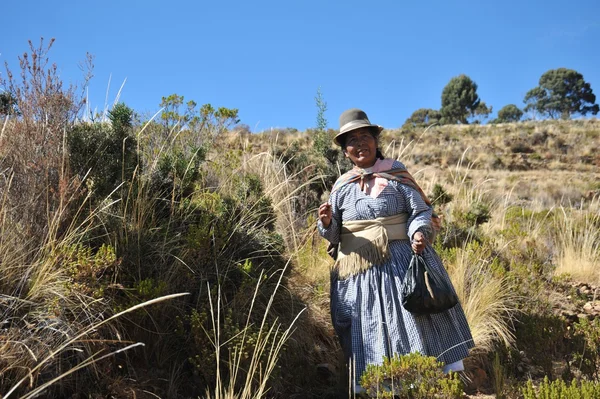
(352, 119)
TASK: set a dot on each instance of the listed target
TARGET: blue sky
(268, 58)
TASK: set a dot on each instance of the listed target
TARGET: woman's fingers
(418, 248)
(418, 242)
(324, 210)
(325, 214)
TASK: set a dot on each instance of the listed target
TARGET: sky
(269, 58)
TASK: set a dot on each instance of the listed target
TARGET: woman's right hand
(325, 214)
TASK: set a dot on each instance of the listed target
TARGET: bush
(410, 376)
(588, 357)
(478, 213)
(196, 329)
(560, 390)
(104, 154)
(440, 196)
(542, 338)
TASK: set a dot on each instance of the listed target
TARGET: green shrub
(440, 196)
(587, 355)
(560, 390)
(90, 274)
(410, 376)
(542, 338)
(478, 213)
(177, 173)
(237, 339)
(104, 154)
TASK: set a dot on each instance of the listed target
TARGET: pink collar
(373, 186)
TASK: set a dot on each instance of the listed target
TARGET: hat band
(355, 125)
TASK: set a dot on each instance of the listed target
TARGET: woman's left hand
(418, 242)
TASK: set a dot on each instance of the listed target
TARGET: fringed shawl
(400, 175)
(364, 243)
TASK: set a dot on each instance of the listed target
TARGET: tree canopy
(459, 100)
(561, 93)
(509, 113)
(423, 117)
(481, 112)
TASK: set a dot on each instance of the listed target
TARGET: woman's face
(361, 147)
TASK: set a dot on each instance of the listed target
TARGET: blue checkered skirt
(367, 314)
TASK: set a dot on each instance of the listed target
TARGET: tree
(481, 112)
(509, 113)
(422, 117)
(561, 93)
(459, 100)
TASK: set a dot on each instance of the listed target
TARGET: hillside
(118, 213)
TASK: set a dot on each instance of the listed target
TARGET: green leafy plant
(478, 213)
(91, 273)
(321, 140)
(587, 357)
(439, 196)
(104, 154)
(410, 376)
(559, 389)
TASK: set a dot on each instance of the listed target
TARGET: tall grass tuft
(577, 232)
(269, 343)
(45, 316)
(285, 190)
(73, 341)
(487, 299)
(485, 295)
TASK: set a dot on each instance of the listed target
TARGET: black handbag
(332, 250)
(424, 291)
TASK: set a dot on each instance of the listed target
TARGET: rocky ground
(580, 293)
(573, 301)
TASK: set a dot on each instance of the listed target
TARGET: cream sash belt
(364, 243)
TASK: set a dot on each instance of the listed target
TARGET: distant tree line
(561, 93)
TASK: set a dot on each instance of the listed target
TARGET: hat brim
(347, 128)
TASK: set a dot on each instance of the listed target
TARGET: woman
(366, 307)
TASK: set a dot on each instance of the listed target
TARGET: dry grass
(270, 342)
(73, 341)
(506, 147)
(284, 191)
(487, 300)
(45, 318)
(577, 233)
